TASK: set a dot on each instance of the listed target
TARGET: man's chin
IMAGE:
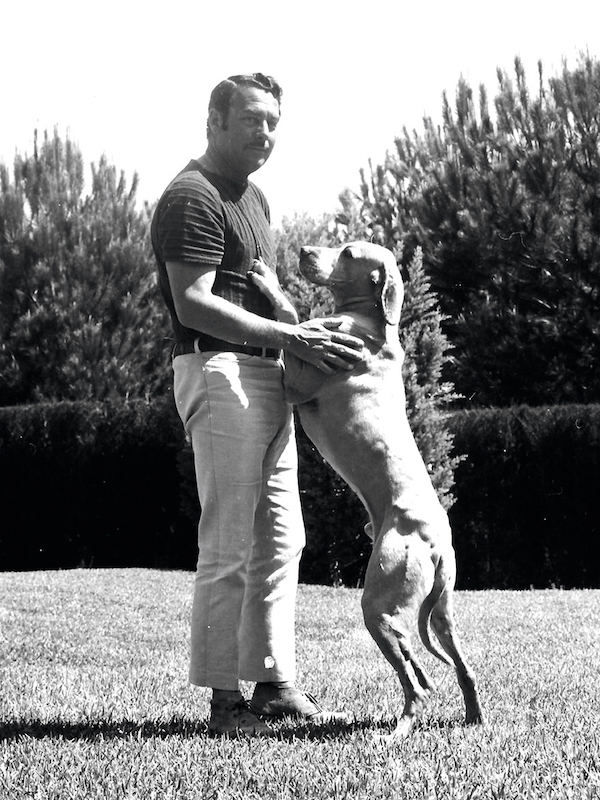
(257, 161)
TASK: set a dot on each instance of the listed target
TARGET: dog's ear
(389, 291)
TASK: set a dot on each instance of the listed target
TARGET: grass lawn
(94, 701)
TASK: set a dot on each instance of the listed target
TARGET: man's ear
(389, 291)
(215, 120)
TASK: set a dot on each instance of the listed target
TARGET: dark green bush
(91, 484)
(112, 484)
(528, 505)
(527, 511)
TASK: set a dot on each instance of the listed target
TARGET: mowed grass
(94, 700)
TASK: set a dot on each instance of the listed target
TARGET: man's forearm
(224, 320)
(198, 308)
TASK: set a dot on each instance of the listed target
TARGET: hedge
(528, 497)
(90, 484)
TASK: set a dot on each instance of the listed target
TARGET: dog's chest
(361, 398)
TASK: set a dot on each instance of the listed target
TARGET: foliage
(92, 483)
(114, 483)
(527, 510)
(427, 396)
(302, 229)
(507, 213)
(95, 701)
(80, 316)
(337, 549)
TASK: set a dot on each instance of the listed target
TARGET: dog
(357, 421)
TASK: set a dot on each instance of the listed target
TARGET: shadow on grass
(107, 729)
(184, 728)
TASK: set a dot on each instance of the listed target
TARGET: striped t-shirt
(203, 218)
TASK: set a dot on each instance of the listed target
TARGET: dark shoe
(235, 718)
(272, 701)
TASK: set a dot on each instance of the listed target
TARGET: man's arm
(198, 308)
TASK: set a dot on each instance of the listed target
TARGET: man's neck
(213, 162)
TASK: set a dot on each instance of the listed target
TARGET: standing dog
(357, 421)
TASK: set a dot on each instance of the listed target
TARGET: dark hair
(220, 98)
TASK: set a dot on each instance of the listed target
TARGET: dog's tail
(439, 585)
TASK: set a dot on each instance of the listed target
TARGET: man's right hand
(320, 343)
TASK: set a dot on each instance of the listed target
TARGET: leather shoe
(272, 702)
(234, 717)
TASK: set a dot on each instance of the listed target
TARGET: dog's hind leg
(397, 579)
(394, 642)
(442, 622)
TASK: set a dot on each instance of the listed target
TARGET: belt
(183, 348)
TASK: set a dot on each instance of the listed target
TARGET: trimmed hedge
(91, 484)
(528, 497)
(112, 485)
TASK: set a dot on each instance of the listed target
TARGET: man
(215, 254)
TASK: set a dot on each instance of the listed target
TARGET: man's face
(245, 139)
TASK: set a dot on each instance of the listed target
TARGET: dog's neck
(361, 322)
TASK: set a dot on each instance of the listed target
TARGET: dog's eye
(347, 252)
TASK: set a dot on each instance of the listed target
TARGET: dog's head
(359, 274)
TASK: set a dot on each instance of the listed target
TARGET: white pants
(251, 531)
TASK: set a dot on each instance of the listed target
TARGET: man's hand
(319, 343)
(266, 280)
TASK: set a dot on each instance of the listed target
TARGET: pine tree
(428, 397)
(80, 315)
(301, 229)
(506, 212)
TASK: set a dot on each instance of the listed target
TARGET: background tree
(302, 229)
(80, 315)
(507, 213)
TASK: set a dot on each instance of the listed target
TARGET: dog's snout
(309, 257)
(316, 263)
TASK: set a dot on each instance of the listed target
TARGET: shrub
(91, 484)
(528, 508)
(112, 485)
(81, 317)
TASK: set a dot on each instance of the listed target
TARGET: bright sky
(132, 78)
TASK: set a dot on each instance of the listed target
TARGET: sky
(131, 79)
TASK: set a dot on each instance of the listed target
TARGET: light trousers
(251, 532)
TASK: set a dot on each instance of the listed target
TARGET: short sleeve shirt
(203, 218)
